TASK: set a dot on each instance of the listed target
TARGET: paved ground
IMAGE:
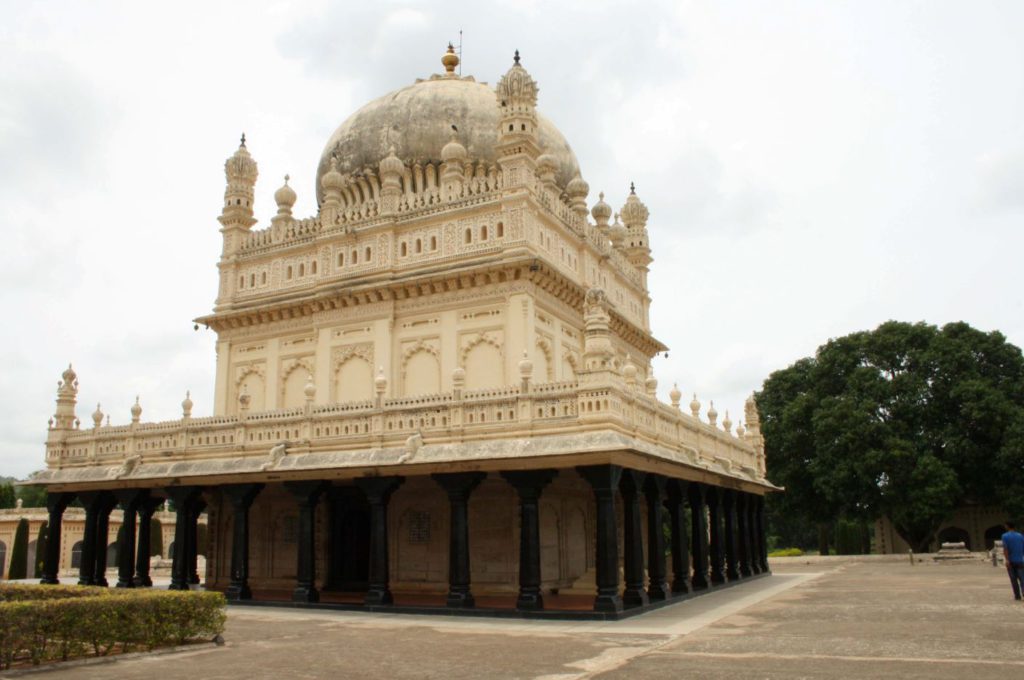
(853, 620)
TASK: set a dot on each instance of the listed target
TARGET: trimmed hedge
(786, 552)
(42, 623)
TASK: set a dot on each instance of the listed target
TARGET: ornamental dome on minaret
(332, 179)
(577, 187)
(285, 196)
(548, 161)
(391, 164)
(601, 211)
(634, 213)
(517, 87)
(416, 120)
(453, 150)
(241, 166)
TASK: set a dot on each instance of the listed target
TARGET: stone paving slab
(856, 620)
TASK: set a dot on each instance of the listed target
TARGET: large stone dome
(417, 121)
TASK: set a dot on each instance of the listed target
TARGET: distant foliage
(786, 552)
(41, 539)
(42, 623)
(908, 421)
(7, 496)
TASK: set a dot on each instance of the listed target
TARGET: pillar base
(378, 597)
(49, 581)
(460, 600)
(303, 594)
(235, 593)
(681, 587)
(142, 582)
(608, 603)
(635, 597)
(125, 584)
(178, 586)
(659, 592)
(530, 601)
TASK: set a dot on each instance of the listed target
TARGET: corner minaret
(518, 143)
(237, 215)
(636, 245)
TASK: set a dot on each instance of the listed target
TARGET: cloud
(1000, 180)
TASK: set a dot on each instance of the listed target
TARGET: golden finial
(450, 60)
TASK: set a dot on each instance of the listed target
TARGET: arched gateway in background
(436, 390)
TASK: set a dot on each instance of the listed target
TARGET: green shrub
(40, 623)
(41, 538)
(19, 553)
(786, 552)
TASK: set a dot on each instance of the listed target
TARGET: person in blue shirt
(1013, 551)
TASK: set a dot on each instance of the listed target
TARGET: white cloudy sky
(812, 168)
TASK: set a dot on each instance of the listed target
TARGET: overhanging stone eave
(551, 451)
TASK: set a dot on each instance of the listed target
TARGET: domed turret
(237, 215)
(186, 405)
(634, 212)
(577, 190)
(602, 212)
(675, 395)
(617, 233)
(136, 410)
(332, 179)
(453, 150)
(450, 61)
(285, 199)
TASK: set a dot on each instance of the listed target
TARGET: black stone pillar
(130, 500)
(604, 479)
(762, 535)
(184, 498)
(745, 542)
(146, 509)
(715, 513)
(56, 503)
(731, 534)
(699, 538)
(458, 486)
(378, 492)
(676, 491)
(241, 497)
(654, 492)
(631, 486)
(307, 494)
(528, 485)
(102, 538)
(193, 540)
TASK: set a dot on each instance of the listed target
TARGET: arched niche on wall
(293, 383)
(353, 380)
(421, 372)
(485, 367)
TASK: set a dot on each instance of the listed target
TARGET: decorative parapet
(451, 418)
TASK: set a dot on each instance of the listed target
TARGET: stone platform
(865, 619)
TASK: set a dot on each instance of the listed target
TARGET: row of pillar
(724, 541)
(133, 565)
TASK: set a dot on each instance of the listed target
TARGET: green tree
(19, 551)
(7, 495)
(32, 496)
(907, 421)
(41, 539)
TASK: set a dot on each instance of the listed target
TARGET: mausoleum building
(437, 391)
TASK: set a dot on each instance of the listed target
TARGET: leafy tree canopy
(908, 421)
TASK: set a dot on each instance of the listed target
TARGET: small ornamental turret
(712, 414)
(695, 407)
(637, 248)
(525, 371)
(309, 389)
(332, 183)
(285, 198)
(136, 410)
(675, 395)
(727, 423)
(97, 417)
(629, 375)
(577, 190)
(518, 142)
(244, 400)
(391, 171)
(602, 212)
(617, 233)
(453, 171)
(67, 397)
(186, 406)
(458, 381)
(380, 385)
(740, 430)
(237, 215)
(651, 385)
(547, 166)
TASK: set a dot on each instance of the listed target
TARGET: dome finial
(450, 60)
(516, 58)
(243, 141)
(632, 188)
